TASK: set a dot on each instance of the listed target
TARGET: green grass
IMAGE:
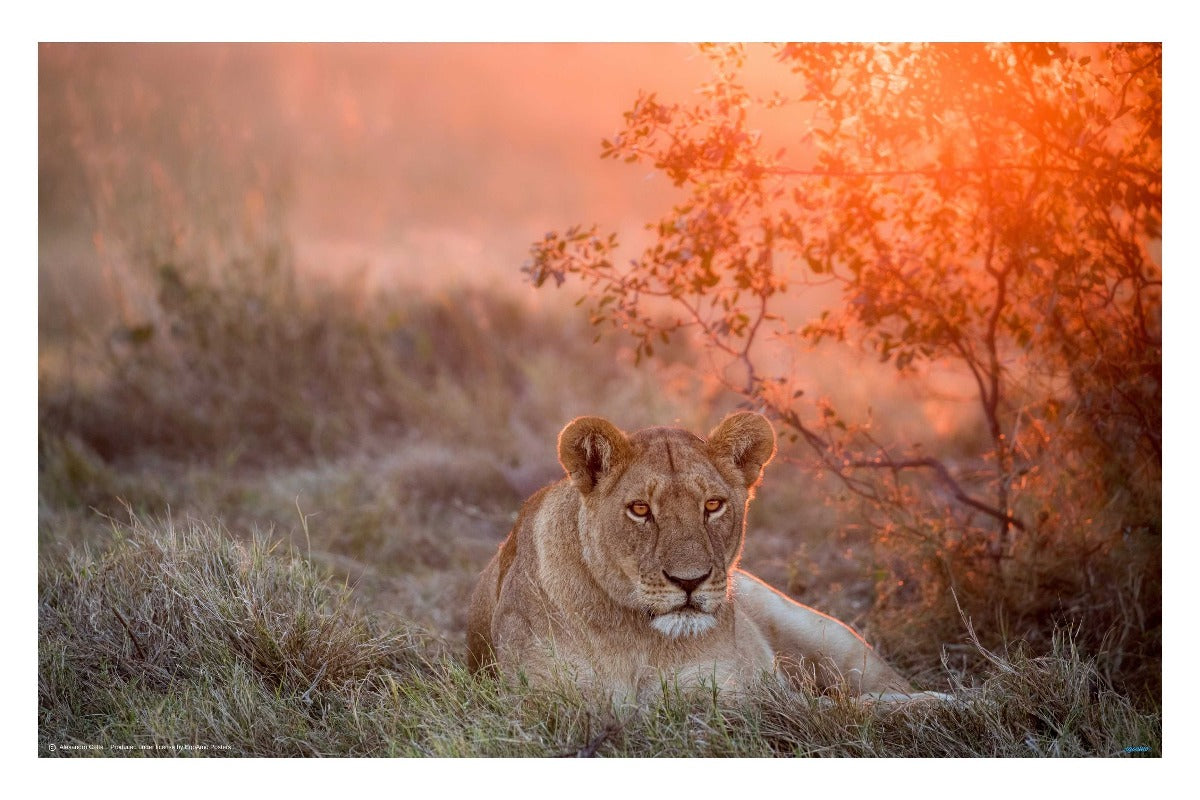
(182, 639)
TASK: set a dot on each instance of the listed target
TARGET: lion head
(663, 513)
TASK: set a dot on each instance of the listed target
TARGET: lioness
(626, 572)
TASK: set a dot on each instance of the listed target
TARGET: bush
(243, 366)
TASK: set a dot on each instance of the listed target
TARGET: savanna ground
(257, 534)
(265, 493)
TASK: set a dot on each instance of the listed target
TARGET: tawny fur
(585, 588)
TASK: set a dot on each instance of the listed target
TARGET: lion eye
(639, 509)
(714, 505)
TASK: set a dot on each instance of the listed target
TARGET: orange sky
(416, 159)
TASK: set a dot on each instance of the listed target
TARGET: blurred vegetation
(246, 366)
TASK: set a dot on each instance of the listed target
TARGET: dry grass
(182, 640)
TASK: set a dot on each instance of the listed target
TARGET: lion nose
(687, 584)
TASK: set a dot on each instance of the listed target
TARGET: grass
(187, 640)
(358, 459)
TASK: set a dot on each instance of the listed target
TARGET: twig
(137, 648)
(943, 474)
(589, 750)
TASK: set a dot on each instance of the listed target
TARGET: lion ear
(590, 448)
(746, 439)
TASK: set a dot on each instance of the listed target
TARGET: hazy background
(419, 162)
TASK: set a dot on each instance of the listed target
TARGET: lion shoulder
(486, 596)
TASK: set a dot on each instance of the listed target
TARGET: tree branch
(944, 476)
(931, 172)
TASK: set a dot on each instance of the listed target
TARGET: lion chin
(678, 624)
